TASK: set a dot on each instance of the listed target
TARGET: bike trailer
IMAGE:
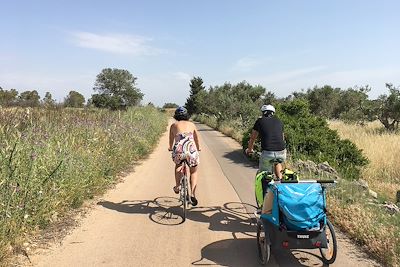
(298, 217)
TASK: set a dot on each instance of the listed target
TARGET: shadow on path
(238, 157)
(231, 217)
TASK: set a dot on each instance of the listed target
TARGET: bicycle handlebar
(308, 181)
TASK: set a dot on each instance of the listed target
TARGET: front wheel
(263, 247)
(329, 254)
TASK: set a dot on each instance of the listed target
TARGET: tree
(196, 86)
(387, 108)
(353, 105)
(324, 101)
(269, 97)
(29, 99)
(8, 97)
(74, 100)
(48, 100)
(116, 89)
(107, 101)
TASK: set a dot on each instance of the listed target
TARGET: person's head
(181, 114)
(268, 110)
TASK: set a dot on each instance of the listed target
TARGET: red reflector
(317, 244)
(285, 244)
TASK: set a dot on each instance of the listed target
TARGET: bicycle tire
(264, 249)
(329, 254)
(185, 197)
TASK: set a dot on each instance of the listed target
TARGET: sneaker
(194, 201)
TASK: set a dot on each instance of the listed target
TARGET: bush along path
(52, 160)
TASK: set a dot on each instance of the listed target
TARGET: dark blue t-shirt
(270, 130)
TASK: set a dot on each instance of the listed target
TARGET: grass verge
(52, 160)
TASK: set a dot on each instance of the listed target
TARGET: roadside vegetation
(374, 222)
(54, 156)
(358, 151)
(52, 160)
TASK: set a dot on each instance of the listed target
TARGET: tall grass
(52, 160)
(382, 149)
(352, 208)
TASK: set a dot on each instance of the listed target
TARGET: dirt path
(138, 223)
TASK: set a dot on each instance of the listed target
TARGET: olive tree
(116, 89)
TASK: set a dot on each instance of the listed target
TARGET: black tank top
(270, 130)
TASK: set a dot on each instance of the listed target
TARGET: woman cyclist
(184, 144)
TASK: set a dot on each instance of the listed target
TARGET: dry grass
(383, 151)
(368, 223)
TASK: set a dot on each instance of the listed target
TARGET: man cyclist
(272, 137)
(273, 149)
(184, 144)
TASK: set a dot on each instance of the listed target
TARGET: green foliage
(107, 101)
(116, 89)
(8, 97)
(238, 102)
(354, 105)
(170, 105)
(387, 108)
(324, 101)
(196, 88)
(74, 100)
(48, 101)
(52, 160)
(29, 99)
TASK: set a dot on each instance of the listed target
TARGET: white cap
(265, 108)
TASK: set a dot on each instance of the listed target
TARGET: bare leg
(193, 180)
(178, 174)
(278, 170)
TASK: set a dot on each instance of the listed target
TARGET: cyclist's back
(270, 130)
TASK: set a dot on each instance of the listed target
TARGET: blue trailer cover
(302, 206)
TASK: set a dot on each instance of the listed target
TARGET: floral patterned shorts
(185, 149)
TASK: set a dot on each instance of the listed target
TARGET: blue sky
(285, 46)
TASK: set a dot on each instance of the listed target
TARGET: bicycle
(184, 196)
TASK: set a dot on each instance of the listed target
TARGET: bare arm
(253, 138)
(196, 139)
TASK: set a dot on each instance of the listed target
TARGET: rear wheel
(184, 197)
(264, 249)
(329, 254)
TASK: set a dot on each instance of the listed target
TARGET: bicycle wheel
(184, 196)
(329, 254)
(264, 249)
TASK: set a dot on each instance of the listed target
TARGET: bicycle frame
(184, 191)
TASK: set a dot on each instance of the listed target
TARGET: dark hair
(181, 117)
(181, 114)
